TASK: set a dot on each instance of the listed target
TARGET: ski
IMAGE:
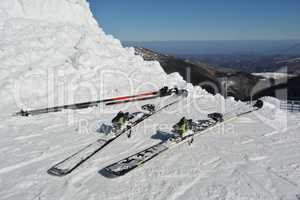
(126, 165)
(165, 91)
(74, 161)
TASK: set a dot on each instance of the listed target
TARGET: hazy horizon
(203, 40)
(206, 47)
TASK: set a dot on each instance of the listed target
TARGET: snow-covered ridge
(274, 75)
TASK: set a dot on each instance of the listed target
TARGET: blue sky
(161, 20)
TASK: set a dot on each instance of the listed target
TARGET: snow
(53, 52)
(272, 100)
(274, 75)
(236, 161)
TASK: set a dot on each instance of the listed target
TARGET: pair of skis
(74, 161)
(165, 91)
(126, 165)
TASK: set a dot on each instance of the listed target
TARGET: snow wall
(53, 52)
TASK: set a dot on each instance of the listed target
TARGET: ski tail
(126, 165)
(75, 160)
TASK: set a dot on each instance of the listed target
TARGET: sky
(165, 20)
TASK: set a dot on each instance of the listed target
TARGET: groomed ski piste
(52, 50)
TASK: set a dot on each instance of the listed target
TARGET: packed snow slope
(254, 157)
(53, 52)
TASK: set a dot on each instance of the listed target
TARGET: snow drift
(53, 52)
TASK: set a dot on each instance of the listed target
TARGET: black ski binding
(164, 92)
(149, 107)
(181, 127)
(218, 117)
(23, 113)
(105, 129)
(119, 120)
(180, 92)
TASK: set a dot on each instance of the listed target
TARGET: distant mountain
(292, 65)
(198, 73)
(287, 89)
(241, 85)
(209, 77)
(253, 63)
(249, 56)
(222, 47)
(293, 49)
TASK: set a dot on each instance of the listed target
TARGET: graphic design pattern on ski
(126, 165)
(74, 161)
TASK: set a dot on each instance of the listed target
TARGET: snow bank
(53, 52)
(272, 115)
(271, 100)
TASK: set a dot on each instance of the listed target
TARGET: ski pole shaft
(131, 100)
(81, 105)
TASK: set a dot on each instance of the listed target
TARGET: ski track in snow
(212, 161)
(271, 134)
(259, 158)
(183, 189)
(247, 141)
(27, 137)
(38, 159)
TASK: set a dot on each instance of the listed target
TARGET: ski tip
(107, 174)
(185, 93)
(56, 172)
(21, 113)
